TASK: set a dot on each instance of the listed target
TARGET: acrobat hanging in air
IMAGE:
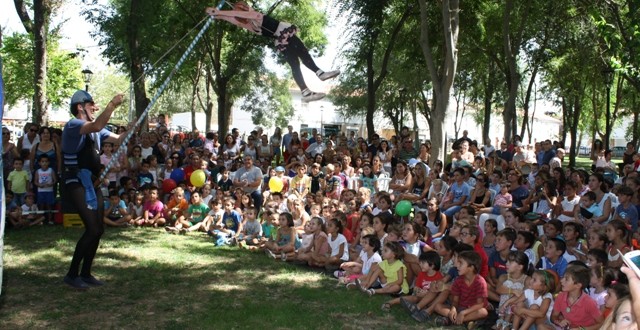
(286, 42)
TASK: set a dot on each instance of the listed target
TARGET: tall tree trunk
(373, 83)
(194, 94)
(194, 90)
(488, 102)
(41, 13)
(563, 133)
(38, 28)
(208, 112)
(136, 65)
(512, 76)
(527, 100)
(223, 117)
(442, 74)
(512, 40)
(371, 92)
(577, 109)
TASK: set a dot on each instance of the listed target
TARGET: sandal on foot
(420, 316)
(370, 292)
(410, 307)
(386, 307)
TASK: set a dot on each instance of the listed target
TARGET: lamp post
(86, 76)
(608, 80)
(321, 119)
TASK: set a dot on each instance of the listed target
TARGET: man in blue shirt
(82, 138)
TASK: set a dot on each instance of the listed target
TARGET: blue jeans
(257, 200)
(452, 210)
(19, 198)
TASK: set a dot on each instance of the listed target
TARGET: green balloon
(403, 208)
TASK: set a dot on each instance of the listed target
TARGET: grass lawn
(157, 280)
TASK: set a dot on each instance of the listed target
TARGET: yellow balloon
(276, 184)
(198, 178)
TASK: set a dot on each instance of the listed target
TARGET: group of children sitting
(567, 278)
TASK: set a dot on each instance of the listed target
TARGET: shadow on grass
(156, 280)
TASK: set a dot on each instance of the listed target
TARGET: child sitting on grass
(214, 217)
(445, 247)
(601, 280)
(427, 285)
(498, 261)
(115, 210)
(153, 210)
(468, 293)
(552, 229)
(14, 213)
(30, 211)
(194, 218)
(339, 250)
(230, 227)
(176, 207)
(251, 230)
(368, 257)
(390, 273)
(136, 207)
(524, 243)
(269, 227)
(511, 285)
(572, 233)
(287, 240)
(426, 308)
(535, 305)
(553, 259)
(319, 242)
(573, 307)
(469, 234)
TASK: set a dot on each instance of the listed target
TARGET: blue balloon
(177, 175)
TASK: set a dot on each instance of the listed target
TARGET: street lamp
(321, 119)
(608, 74)
(87, 75)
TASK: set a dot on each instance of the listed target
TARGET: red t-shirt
(351, 217)
(484, 267)
(423, 281)
(584, 312)
(469, 294)
(188, 170)
(348, 235)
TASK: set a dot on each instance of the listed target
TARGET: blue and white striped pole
(156, 96)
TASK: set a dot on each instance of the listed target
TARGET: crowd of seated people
(508, 230)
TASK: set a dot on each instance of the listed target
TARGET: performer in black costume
(81, 140)
(286, 42)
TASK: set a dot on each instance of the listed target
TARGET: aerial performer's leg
(294, 52)
(285, 38)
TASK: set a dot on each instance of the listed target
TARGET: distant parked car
(618, 151)
(584, 151)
